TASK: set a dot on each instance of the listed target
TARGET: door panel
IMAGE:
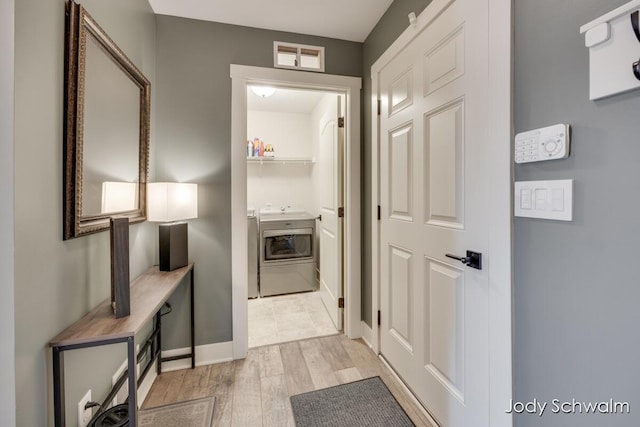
(433, 174)
(444, 150)
(400, 165)
(327, 162)
(330, 228)
(400, 296)
(445, 62)
(445, 335)
(401, 91)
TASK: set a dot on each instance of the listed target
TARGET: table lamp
(170, 203)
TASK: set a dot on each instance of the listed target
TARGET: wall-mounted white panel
(538, 145)
(613, 48)
(400, 296)
(544, 199)
(400, 172)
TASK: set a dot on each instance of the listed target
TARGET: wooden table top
(149, 292)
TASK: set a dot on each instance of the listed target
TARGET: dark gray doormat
(192, 413)
(367, 403)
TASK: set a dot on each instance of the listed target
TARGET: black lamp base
(173, 245)
(120, 297)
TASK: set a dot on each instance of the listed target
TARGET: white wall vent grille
(298, 56)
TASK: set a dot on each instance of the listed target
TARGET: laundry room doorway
(296, 173)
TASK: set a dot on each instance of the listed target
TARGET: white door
(330, 229)
(433, 193)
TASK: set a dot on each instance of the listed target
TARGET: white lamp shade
(119, 196)
(170, 201)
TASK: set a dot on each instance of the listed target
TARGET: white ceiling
(285, 101)
(340, 19)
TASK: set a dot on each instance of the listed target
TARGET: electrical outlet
(84, 415)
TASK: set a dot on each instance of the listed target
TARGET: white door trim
(7, 223)
(499, 263)
(242, 75)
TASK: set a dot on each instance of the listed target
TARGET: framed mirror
(106, 131)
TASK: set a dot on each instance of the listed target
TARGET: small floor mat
(362, 403)
(192, 413)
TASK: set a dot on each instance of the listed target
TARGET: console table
(149, 292)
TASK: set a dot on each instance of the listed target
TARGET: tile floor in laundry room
(285, 318)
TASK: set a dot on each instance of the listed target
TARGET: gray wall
(576, 293)
(7, 332)
(57, 282)
(194, 132)
(391, 25)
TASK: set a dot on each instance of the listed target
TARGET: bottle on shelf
(261, 148)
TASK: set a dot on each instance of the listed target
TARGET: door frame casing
(500, 177)
(241, 76)
(7, 224)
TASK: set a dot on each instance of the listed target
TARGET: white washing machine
(287, 257)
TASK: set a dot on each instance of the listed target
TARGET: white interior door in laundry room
(433, 195)
(331, 161)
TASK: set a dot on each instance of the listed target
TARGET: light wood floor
(255, 391)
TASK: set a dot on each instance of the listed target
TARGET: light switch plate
(544, 199)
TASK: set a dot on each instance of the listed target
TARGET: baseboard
(145, 387)
(367, 333)
(409, 393)
(205, 355)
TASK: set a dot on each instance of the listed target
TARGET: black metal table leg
(58, 386)
(133, 394)
(193, 322)
(159, 326)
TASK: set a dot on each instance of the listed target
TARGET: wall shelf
(281, 160)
